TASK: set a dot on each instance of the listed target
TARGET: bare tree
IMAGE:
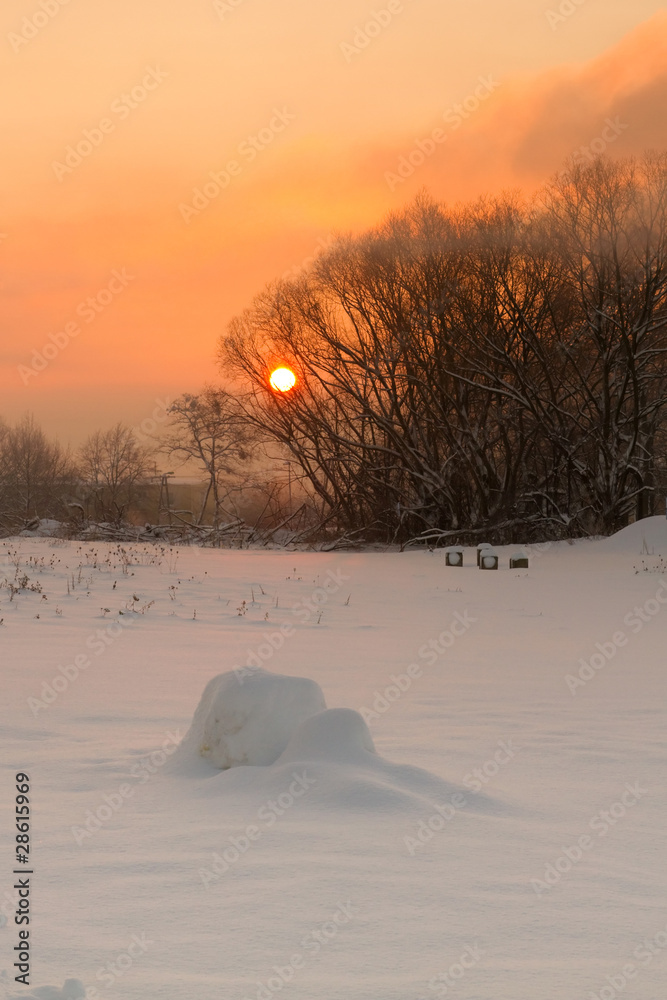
(609, 224)
(207, 432)
(114, 470)
(36, 475)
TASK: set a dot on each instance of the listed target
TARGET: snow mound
(292, 745)
(72, 990)
(649, 534)
(337, 734)
(332, 757)
(249, 717)
(337, 751)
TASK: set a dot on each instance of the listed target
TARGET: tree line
(494, 368)
(107, 480)
(498, 366)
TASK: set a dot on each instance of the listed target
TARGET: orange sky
(306, 118)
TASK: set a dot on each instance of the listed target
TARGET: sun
(282, 379)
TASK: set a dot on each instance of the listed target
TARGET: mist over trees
(113, 470)
(497, 367)
(40, 480)
(208, 431)
(110, 487)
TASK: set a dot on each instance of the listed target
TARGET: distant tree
(114, 470)
(207, 432)
(37, 476)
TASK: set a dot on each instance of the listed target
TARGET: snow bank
(249, 718)
(649, 533)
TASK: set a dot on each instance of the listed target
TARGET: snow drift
(337, 750)
(278, 727)
(249, 717)
(335, 756)
(648, 535)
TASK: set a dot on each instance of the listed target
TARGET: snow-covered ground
(506, 841)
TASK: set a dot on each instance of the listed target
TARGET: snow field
(487, 717)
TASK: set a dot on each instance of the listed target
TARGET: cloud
(528, 127)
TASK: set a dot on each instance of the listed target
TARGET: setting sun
(282, 380)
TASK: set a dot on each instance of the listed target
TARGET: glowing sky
(305, 111)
